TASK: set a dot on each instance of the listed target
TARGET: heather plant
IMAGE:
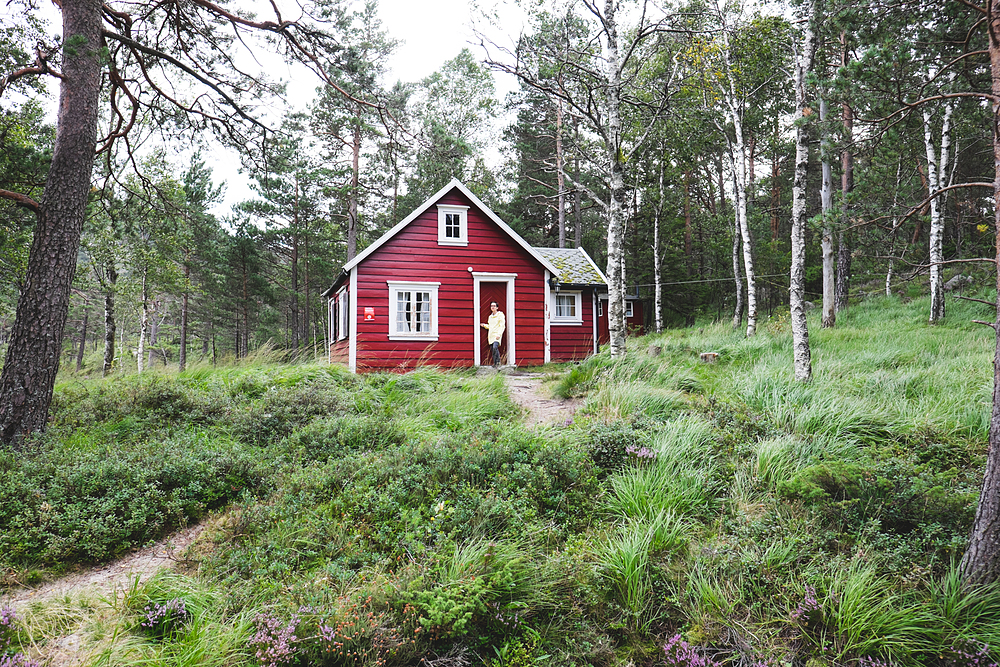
(678, 653)
(8, 635)
(160, 620)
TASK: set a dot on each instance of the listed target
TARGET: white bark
(826, 242)
(937, 168)
(616, 185)
(657, 277)
(143, 323)
(800, 330)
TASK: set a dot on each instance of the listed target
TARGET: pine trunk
(109, 331)
(981, 561)
(826, 243)
(182, 354)
(32, 361)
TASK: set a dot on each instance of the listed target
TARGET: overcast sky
(429, 32)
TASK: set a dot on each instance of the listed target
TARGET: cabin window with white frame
(628, 309)
(453, 225)
(567, 308)
(345, 315)
(413, 310)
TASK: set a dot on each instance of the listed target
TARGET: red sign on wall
(369, 314)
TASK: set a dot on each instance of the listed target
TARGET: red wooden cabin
(418, 294)
(635, 318)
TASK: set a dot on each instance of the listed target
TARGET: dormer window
(453, 225)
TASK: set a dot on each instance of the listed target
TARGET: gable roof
(575, 267)
(454, 183)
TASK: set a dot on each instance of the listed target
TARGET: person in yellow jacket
(495, 326)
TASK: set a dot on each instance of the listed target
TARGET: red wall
(572, 342)
(414, 254)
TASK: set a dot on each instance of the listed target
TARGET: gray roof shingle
(575, 266)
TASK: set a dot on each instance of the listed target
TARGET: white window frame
(463, 224)
(628, 309)
(578, 307)
(396, 286)
(344, 320)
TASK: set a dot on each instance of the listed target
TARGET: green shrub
(60, 507)
(337, 436)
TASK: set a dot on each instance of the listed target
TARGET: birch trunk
(83, 340)
(826, 243)
(937, 167)
(738, 278)
(143, 322)
(657, 276)
(739, 164)
(616, 187)
(800, 330)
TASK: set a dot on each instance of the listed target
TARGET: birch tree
(740, 68)
(937, 174)
(598, 85)
(803, 65)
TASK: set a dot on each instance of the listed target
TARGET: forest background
(709, 126)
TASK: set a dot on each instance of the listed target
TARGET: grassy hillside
(691, 514)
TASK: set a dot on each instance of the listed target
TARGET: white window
(453, 225)
(628, 309)
(600, 307)
(344, 320)
(567, 308)
(412, 310)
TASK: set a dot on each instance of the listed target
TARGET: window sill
(412, 337)
(565, 323)
(451, 242)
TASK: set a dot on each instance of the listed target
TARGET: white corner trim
(352, 355)
(547, 328)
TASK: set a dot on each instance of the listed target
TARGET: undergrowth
(689, 514)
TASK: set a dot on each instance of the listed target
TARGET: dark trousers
(495, 349)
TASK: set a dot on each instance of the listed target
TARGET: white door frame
(510, 315)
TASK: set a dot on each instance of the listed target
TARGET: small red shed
(417, 295)
(635, 318)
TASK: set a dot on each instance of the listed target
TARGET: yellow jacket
(496, 324)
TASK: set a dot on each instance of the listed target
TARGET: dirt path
(526, 391)
(91, 591)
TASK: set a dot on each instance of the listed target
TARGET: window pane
(452, 226)
(403, 312)
(565, 305)
(423, 310)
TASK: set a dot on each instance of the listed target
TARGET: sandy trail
(526, 391)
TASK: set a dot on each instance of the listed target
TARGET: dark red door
(491, 292)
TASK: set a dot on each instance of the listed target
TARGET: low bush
(58, 507)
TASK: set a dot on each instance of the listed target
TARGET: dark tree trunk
(981, 561)
(83, 341)
(29, 372)
(109, 323)
(182, 354)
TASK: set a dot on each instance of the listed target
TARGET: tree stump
(655, 350)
